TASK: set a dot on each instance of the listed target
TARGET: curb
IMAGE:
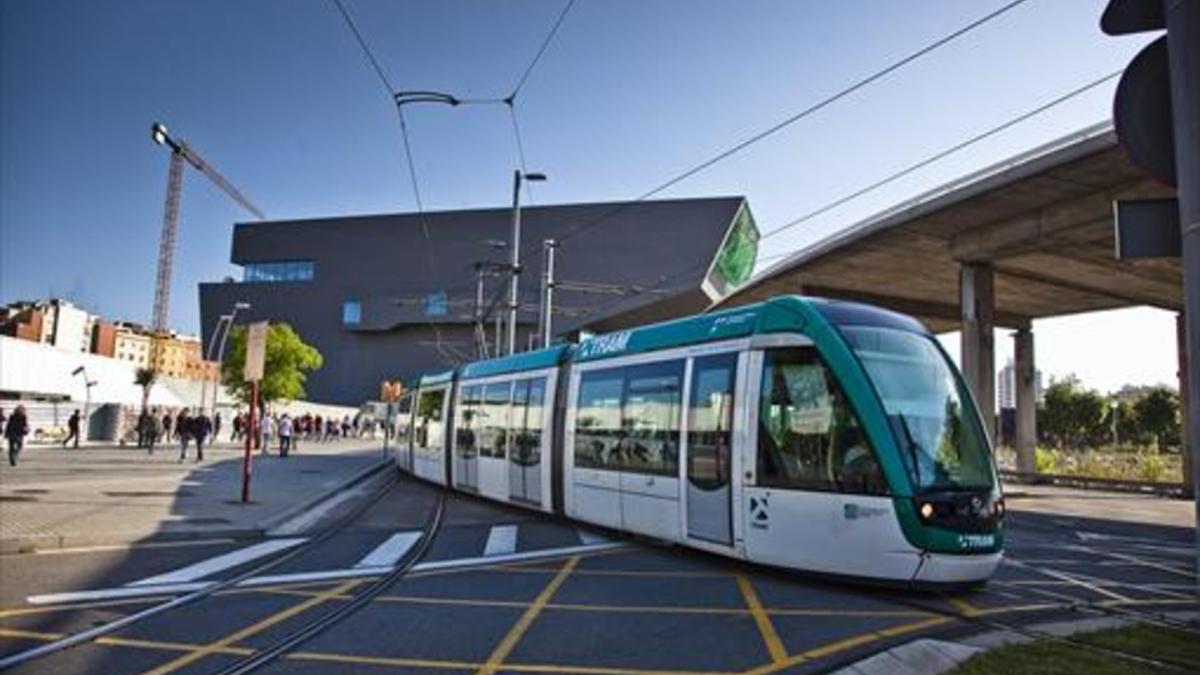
(270, 523)
(47, 542)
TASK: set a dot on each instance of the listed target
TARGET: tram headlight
(926, 510)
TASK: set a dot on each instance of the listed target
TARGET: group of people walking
(183, 427)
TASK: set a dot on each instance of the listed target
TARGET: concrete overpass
(1028, 238)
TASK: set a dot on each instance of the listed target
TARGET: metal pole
(208, 357)
(548, 304)
(251, 433)
(515, 243)
(1183, 46)
(480, 336)
(499, 333)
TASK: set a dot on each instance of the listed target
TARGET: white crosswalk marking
(390, 551)
(502, 540)
(222, 562)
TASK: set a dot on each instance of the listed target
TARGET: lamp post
(87, 397)
(1115, 405)
(515, 243)
(228, 320)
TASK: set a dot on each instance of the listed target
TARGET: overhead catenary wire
(796, 117)
(540, 52)
(942, 154)
(430, 255)
(1059, 100)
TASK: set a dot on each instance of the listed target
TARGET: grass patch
(1044, 657)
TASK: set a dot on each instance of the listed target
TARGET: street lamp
(87, 397)
(226, 319)
(513, 300)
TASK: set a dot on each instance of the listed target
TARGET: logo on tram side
(759, 517)
(732, 320)
(976, 540)
(603, 345)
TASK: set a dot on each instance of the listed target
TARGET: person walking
(285, 434)
(267, 424)
(238, 422)
(183, 430)
(15, 430)
(201, 427)
(166, 428)
(216, 426)
(72, 429)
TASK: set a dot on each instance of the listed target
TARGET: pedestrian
(2, 419)
(166, 427)
(267, 424)
(318, 427)
(239, 422)
(285, 434)
(72, 429)
(345, 426)
(183, 431)
(357, 424)
(201, 427)
(216, 426)
(15, 430)
(148, 430)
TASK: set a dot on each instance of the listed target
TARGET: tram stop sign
(256, 351)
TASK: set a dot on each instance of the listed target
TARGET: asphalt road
(594, 604)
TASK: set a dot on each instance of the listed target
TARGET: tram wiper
(910, 444)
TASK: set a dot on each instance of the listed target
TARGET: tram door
(466, 439)
(525, 457)
(710, 440)
(495, 408)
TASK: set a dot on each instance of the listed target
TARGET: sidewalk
(58, 498)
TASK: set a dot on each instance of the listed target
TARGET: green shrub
(1151, 466)
(1047, 461)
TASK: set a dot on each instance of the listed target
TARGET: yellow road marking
(119, 547)
(253, 629)
(762, 619)
(391, 661)
(527, 618)
(846, 643)
(963, 606)
(614, 573)
(101, 604)
(28, 634)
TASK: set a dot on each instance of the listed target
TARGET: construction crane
(166, 245)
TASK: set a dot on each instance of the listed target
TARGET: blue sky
(277, 95)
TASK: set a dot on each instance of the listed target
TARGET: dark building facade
(393, 296)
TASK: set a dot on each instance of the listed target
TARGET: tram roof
(535, 360)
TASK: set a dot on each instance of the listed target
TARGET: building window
(282, 270)
(351, 312)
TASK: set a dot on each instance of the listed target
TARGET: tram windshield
(928, 408)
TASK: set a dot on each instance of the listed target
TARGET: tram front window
(928, 406)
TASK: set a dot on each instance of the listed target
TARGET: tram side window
(649, 440)
(598, 419)
(494, 419)
(430, 428)
(467, 434)
(808, 436)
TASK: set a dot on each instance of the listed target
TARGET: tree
(1072, 416)
(1158, 416)
(287, 361)
(145, 378)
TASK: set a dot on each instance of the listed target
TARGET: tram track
(263, 657)
(216, 588)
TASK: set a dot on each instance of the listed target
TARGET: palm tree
(145, 378)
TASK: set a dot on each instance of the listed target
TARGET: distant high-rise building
(1006, 386)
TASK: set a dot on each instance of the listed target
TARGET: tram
(818, 435)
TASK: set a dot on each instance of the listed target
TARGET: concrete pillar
(1189, 484)
(977, 304)
(1026, 395)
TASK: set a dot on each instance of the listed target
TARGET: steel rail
(92, 634)
(266, 656)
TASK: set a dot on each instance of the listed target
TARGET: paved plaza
(506, 590)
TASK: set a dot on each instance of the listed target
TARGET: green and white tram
(812, 434)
